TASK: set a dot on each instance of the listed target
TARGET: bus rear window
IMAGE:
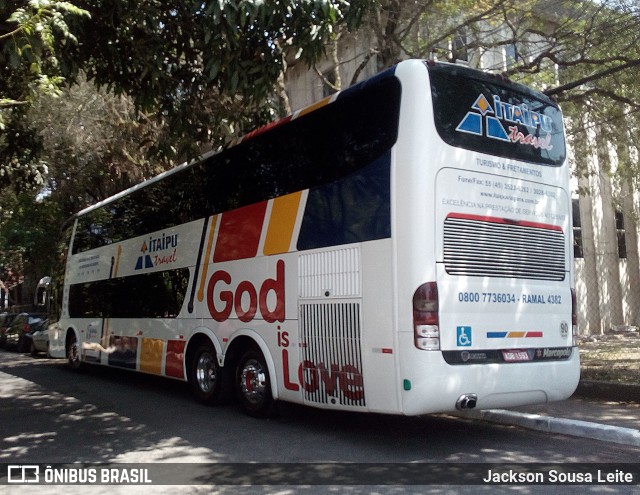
(481, 113)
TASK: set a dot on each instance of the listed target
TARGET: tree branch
(11, 33)
(362, 65)
(611, 95)
(12, 103)
(593, 77)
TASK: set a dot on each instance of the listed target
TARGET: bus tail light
(574, 318)
(426, 322)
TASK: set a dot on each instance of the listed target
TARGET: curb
(549, 424)
(608, 391)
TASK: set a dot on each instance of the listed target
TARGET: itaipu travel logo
(160, 250)
(485, 119)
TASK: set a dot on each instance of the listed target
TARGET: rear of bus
(482, 244)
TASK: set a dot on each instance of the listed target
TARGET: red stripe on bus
(265, 128)
(175, 359)
(504, 221)
(239, 233)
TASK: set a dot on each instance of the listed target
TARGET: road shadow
(52, 414)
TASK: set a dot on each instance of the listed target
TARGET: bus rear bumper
(438, 387)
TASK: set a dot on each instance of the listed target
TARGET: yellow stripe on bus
(315, 106)
(151, 355)
(284, 211)
(117, 263)
(207, 258)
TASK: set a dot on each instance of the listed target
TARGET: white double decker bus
(403, 247)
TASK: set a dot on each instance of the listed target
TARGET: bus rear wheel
(253, 385)
(73, 353)
(207, 379)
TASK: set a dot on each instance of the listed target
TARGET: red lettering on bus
(288, 384)
(283, 339)
(312, 372)
(225, 296)
(277, 287)
(311, 376)
(246, 290)
(351, 383)
(329, 377)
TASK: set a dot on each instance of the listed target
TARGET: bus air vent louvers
(492, 247)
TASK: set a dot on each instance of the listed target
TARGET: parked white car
(40, 339)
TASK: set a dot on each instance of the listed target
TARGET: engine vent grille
(332, 357)
(479, 246)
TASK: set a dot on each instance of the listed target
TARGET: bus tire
(74, 354)
(253, 385)
(208, 381)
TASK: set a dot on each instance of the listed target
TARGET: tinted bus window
(150, 295)
(319, 148)
(356, 209)
(480, 113)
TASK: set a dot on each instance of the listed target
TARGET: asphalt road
(50, 414)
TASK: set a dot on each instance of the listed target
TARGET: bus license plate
(515, 356)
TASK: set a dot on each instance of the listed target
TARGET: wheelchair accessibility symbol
(463, 336)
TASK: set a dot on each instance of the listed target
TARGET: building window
(622, 242)
(459, 50)
(511, 55)
(578, 251)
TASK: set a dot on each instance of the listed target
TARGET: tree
(443, 29)
(93, 142)
(31, 37)
(29, 241)
(585, 54)
(174, 78)
(95, 145)
(29, 40)
(207, 69)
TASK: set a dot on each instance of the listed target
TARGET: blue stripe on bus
(354, 209)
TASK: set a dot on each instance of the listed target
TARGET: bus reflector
(426, 321)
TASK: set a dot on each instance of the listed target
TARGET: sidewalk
(599, 411)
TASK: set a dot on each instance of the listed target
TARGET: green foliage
(186, 75)
(21, 166)
(31, 36)
(29, 40)
(29, 236)
(95, 145)
(205, 69)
